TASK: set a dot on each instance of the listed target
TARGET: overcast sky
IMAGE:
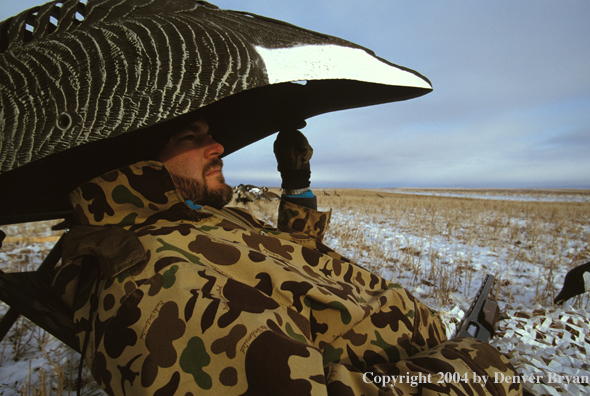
(510, 106)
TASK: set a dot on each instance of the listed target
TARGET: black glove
(293, 153)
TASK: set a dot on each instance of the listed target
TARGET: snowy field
(444, 261)
(439, 244)
(500, 194)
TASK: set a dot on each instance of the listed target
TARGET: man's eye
(191, 137)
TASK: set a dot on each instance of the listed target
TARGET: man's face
(192, 158)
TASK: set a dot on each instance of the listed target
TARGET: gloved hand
(293, 152)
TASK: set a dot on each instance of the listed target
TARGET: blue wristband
(307, 194)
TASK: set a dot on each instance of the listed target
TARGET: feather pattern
(122, 68)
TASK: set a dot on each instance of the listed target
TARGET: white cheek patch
(586, 281)
(317, 62)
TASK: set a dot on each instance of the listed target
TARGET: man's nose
(214, 149)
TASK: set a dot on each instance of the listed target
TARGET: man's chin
(220, 196)
(218, 192)
(219, 186)
(215, 182)
(215, 193)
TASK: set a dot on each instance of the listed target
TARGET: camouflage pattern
(216, 302)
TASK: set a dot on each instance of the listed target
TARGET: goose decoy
(87, 86)
(244, 195)
(269, 195)
(577, 281)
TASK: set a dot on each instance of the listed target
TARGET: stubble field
(439, 244)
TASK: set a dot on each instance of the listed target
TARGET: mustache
(215, 163)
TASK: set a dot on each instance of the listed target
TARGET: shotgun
(482, 314)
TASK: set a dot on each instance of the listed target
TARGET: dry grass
(51, 367)
(415, 239)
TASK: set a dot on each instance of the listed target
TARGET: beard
(199, 192)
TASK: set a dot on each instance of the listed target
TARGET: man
(192, 158)
(175, 294)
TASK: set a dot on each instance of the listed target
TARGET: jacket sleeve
(297, 218)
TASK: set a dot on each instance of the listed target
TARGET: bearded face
(199, 192)
(192, 158)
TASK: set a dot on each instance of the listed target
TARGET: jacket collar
(135, 194)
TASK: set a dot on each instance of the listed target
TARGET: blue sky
(510, 106)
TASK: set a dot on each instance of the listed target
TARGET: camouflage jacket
(176, 301)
